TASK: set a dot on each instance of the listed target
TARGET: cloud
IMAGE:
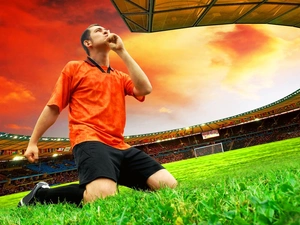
(165, 110)
(18, 105)
(217, 61)
(242, 41)
(12, 92)
(17, 127)
(70, 12)
(173, 64)
(251, 56)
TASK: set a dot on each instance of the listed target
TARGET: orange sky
(198, 74)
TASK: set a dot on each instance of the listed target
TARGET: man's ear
(87, 43)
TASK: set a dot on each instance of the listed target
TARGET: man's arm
(142, 85)
(48, 116)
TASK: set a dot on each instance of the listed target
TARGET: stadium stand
(17, 176)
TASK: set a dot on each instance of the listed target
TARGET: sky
(198, 74)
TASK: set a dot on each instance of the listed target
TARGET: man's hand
(115, 42)
(32, 153)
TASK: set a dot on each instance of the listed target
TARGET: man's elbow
(148, 90)
(143, 91)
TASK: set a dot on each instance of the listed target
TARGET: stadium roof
(162, 15)
(284, 105)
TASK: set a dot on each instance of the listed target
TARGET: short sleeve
(61, 93)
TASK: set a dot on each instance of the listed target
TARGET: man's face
(98, 35)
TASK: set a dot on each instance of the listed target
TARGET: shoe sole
(28, 198)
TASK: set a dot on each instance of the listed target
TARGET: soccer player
(95, 93)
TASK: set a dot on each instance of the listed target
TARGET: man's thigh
(96, 160)
(136, 168)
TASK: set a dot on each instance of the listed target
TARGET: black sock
(71, 194)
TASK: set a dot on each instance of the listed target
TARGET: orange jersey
(96, 103)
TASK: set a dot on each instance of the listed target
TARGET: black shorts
(131, 167)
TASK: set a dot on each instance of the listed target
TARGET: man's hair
(86, 36)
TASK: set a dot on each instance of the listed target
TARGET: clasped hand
(115, 42)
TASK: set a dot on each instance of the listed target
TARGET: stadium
(274, 122)
(279, 120)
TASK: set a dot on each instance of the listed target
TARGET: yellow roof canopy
(162, 15)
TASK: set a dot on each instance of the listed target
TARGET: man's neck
(101, 58)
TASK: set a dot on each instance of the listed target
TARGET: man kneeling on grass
(95, 93)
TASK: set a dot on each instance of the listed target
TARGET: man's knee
(161, 179)
(99, 188)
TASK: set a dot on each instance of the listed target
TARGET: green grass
(255, 185)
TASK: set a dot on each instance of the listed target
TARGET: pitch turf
(255, 185)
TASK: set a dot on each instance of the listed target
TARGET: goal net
(208, 149)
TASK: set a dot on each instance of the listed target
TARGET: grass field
(255, 185)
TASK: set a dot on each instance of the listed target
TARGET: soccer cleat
(29, 199)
